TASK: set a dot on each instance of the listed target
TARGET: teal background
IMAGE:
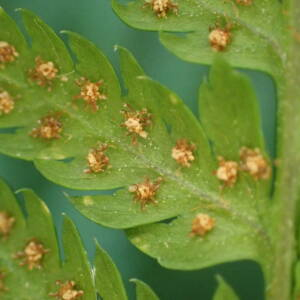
(95, 20)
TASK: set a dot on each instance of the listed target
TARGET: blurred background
(95, 20)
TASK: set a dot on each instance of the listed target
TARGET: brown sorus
(253, 162)
(90, 92)
(220, 38)
(6, 223)
(136, 122)
(67, 291)
(7, 103)
(44, 72)
(145, 192)
(202, 224)
(162, 7)
(183, 152)
(97, 160)
(32, 255)
(8, 53)
(50, 127)
(227, 171)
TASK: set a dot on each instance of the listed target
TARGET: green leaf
(46, 43)
(181, 192)
(232, 239)
(224, 291)
(37, 227)
(143, 291)
(225, 100)
(109, 282)
(108, 279)
(264, 36)
(257, 30)
(170, 243)
(40, 281)
(227, 106)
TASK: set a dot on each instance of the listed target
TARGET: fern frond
(70, 118)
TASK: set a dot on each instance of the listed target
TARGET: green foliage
(230, 120)
(261, 35)
(258, 30)
(21, 282)
(196, 190)
(297, 277)
(143, 291)
(109, 280)
(85, 146)
(224, 291)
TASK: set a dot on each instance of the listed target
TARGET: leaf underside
(256, 30)
(19, 282)
(229, 121)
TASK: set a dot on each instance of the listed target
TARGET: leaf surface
(224, 291)
(182, 192)
(38, 227)
(108, 280)
(256, 30)
(143, 291)
(20, 282)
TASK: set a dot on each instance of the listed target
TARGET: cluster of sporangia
(136, 123)
(8, 54)
(32, 256)
(251, 161)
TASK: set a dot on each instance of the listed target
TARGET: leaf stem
(280, 281)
